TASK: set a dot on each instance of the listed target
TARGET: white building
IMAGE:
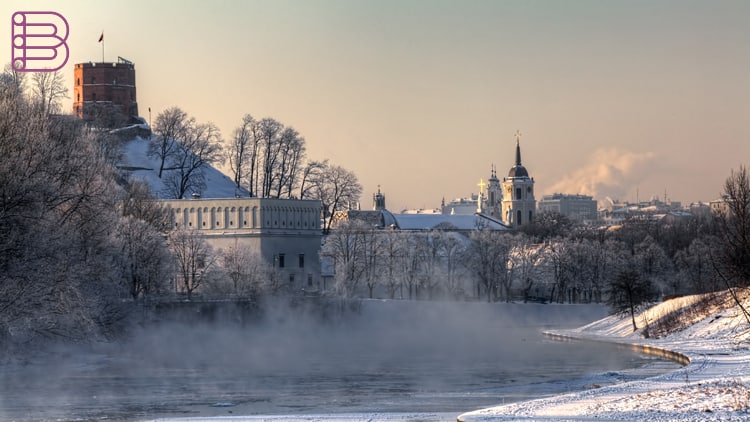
(285, 232)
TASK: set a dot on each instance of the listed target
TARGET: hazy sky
(613, 98)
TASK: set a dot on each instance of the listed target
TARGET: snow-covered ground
(137, 164)
(715, 385)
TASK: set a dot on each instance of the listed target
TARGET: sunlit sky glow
(614, 98)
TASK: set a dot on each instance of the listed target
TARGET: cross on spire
(481, 185)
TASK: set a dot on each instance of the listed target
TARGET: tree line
(553, 259)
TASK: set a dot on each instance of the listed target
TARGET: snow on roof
(459, 221)
(139, 166)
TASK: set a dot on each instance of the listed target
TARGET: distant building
(463, 206)
(418, 220)
(575, 207)
(285, 232)
(104, 85)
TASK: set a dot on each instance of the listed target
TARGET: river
(416, 360)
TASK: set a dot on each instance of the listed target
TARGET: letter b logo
(38, 41)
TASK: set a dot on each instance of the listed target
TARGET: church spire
(518, 147)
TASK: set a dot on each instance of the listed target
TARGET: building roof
(518, 170)
(463, 222)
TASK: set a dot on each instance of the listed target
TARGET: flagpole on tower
(101, 40)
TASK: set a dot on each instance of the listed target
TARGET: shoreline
(712, 386)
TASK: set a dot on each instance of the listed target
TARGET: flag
(101, 37)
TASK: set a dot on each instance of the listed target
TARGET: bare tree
(171, 125)
(270, 131)
(488, 257)
(145, 257)
(193, 257)
(392, 243)
(450, 249)
(734, 224)
(249, 273)
(292, 154)
(526, 258)
(336, 189)
(200, 147)
(346, 245)
(12, 82)
(141, 203)
(47, 90)
(628, 291)
(241, 152)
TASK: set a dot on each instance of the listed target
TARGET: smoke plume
(610, 172)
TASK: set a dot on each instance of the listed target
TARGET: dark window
(281, 260)
(302, 260)
(530, 214)
(309, 279)
(291, 278)
(518, 215)
(78, 81)
(93, 96)
(518, 193)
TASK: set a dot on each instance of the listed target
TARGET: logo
(38, 41)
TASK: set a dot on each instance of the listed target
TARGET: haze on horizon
(422, 97)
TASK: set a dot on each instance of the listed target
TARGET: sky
(626, 99)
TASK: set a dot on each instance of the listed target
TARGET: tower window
(518, 193)
(281, 260)
(518, 216)
(302, 260)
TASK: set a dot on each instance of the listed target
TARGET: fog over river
(388, 357)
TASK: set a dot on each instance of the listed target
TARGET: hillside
(708, 329)
(137, 165)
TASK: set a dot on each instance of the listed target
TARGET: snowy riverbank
(715, 385)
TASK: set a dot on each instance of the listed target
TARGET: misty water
(388, 357)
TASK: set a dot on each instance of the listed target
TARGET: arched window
(518, 217)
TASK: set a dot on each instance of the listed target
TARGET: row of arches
(208, 218)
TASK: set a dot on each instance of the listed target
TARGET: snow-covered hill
(137, 165)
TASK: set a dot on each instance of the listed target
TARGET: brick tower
(105, 85)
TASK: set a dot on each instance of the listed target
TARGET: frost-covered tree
(145, 259)
(488, 257)
(58, 272)
(48, 89)
(194, 258)
(249, 274)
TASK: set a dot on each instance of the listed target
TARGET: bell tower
(519, 205)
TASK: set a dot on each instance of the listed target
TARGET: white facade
(285, 232)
